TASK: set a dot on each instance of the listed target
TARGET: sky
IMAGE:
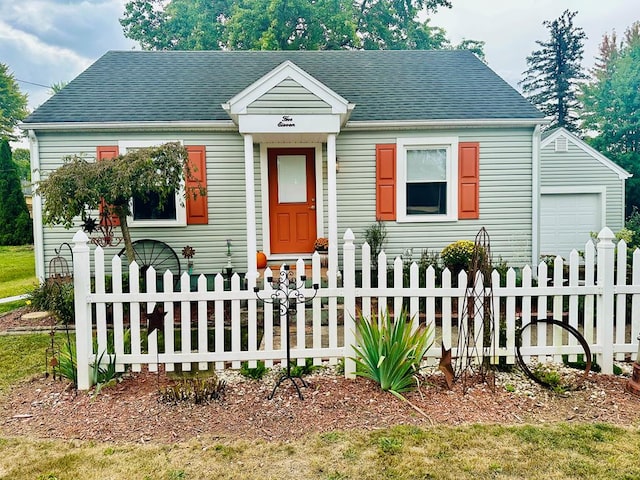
(50, 41)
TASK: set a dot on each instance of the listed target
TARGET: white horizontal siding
(288, 97)
(576, 168)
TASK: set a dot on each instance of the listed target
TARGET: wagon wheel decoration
(156, 254)
(571, 330)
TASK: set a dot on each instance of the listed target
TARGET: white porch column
(252, 270)
(332, 201)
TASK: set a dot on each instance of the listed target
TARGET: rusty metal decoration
(633, 384)
(571, 330)
(446, 367)
(476, 321)
(155, 319)
(59, 271)
(104, 228)
(52, 353)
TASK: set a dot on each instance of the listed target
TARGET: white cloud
(38, 52)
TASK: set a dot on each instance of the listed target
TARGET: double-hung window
(427, 179)
(149, 212)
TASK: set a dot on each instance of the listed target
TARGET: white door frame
(264, 190)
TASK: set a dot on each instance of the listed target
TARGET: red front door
(292, 199)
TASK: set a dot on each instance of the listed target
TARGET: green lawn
(17, 270)
(468, 452)
(21, 356)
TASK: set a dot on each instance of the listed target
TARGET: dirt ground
(132, 410)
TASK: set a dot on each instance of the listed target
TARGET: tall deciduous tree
(15, 223)
(176, 25)
(13, 103)
(612, 106)
(22, 161)
(80, 186)
(555, 70)
(287, 25)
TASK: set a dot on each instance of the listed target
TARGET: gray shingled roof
(135, 86)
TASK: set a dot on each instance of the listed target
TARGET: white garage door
(567, 220)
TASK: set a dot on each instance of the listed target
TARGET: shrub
(56, 298)
(389, 352)
(458, 255)
(67, 362)
(307, 369)
(196, 390)
(254, 373)
(376, 236)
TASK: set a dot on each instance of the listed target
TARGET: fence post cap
(80, 237)
(348, 235)
(606, 234)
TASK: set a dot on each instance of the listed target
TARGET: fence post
(349, 288)
(82, 289)
(604, 312)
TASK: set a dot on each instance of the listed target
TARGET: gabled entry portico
(291, 115)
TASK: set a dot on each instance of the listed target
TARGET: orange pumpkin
(261, 260)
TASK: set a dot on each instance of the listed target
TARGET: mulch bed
(131, 411)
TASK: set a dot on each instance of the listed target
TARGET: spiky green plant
(389, 352)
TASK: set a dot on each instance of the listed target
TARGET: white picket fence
(228, 324)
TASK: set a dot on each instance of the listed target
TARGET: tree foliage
(22, 161)
(554, 71)
(611, 102)
(79, 186)
(286, 25)
(15, 223)
(13, 103)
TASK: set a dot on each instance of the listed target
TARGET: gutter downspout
(38, 232)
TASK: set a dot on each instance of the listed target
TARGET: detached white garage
(581, 191)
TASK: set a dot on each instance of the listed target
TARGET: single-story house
(581, 191)
(296, 145)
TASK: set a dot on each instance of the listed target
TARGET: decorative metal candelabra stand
(287, 294)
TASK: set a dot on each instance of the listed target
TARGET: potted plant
(321, 246)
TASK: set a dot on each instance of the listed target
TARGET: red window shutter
(468, 180)
(197, 211)
(386, 181)
(104, 153)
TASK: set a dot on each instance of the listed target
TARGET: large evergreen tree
(611, 102)
(15, 223)
(554, 71)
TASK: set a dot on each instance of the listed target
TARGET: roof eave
(203, 125)
(442, 123)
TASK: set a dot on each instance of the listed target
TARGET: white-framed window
(149, 212)
(427, 187)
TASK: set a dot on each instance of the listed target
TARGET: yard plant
(389, 352)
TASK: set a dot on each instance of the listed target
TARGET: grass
(480, 452)
(9, 306)
(17, 270)
(21, 356)
(560, 451)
